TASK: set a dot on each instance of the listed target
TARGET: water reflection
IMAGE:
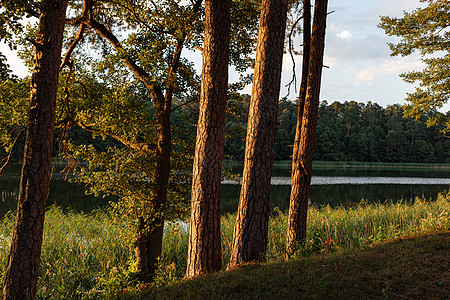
(333, 186)
(338, 194)
(342, 185)
(65, 194)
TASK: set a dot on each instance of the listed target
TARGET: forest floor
(412, 268)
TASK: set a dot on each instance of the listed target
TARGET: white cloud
(361, 67)
(345, 48)
(345, 35)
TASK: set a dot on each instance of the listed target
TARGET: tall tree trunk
(148, 244)
(251, 228)
(295, 209)
(303, 153)
(24, 258)
(204, 252)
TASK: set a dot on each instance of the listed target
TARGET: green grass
(89, 255)
(81, 254)
(413, 268)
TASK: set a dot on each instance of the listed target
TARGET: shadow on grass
(417, 268)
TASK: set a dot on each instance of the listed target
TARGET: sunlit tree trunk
(304, 144)
(23, 266)
(204, 252)
(251, 228)
(295, 207)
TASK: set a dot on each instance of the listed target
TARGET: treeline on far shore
(353, 131)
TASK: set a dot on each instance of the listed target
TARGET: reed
(82, 254)
(89, 255)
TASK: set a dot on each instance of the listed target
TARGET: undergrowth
(90, 255)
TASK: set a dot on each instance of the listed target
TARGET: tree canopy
(425, 30)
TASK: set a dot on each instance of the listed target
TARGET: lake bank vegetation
(403, 268)
(89, 255)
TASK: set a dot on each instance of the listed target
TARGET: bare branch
(291, 52)
(176, 60)
(78, 38)
(184, 104)
(153, 87)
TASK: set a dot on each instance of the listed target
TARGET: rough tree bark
(251, 228)
(23, 266)
(148, 244)
(204, 252)
(306, 130)
(295, 209)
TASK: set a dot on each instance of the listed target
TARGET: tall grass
(89, 255)
(329, 229)
(82, 255)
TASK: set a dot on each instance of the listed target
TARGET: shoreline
(352, 164)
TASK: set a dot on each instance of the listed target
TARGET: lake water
(343, 185)
(329, 186)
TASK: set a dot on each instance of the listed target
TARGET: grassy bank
(88, 256)
(413, 268)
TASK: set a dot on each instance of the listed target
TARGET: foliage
(5, 72)
(13, 96)
(124, 78)
(124, 166)
(425, 30)
(11, 15)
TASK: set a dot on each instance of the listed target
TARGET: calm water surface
(329, 186)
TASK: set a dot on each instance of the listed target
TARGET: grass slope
(415, 268)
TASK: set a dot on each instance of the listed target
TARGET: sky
(360, 67)
(357, 54)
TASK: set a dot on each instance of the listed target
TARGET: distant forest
(352, 131)
(348, 131)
